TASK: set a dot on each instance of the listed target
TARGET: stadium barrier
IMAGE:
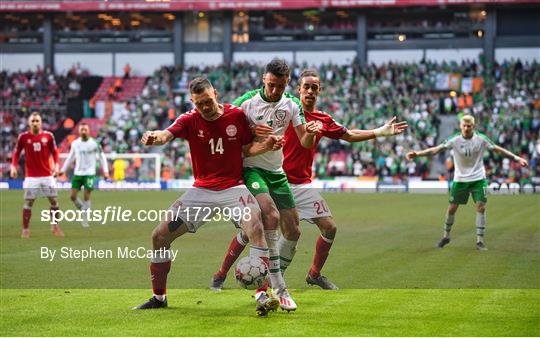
(341, 184)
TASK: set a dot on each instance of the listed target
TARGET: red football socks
(234, 250)
(159, 272)
(26, 215)
(322, 248)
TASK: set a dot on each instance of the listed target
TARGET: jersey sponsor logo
(201, 133)
(231, 130)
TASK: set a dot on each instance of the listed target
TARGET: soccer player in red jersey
(218, 137)
(38, 146)
(297, 164)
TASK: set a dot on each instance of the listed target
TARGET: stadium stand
(357, 97)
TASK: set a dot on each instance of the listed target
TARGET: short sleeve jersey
(468, 156)
(38, 150)
(299, 160)
(216, 146)
(278, 115)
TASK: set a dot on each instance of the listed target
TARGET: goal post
(142, 167)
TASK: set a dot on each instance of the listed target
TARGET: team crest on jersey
(280, 115)
(231, 130)
(319, 124)
(44, 140)
(201, 133)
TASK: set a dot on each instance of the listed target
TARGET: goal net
(132, 167)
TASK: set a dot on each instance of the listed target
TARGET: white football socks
(448, 222)
(276, 279)
(287, 250)
(480, 226)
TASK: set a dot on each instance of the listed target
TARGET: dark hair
(84, 124)
(306, 73)
(277, 67)
(199, 85)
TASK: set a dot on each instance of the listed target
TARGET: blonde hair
(468, 119)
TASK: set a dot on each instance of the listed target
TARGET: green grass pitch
(393, 281)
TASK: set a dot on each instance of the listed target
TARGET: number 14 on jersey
(216, 147)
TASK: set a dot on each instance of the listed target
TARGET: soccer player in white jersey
(85, 151)
(264, 175)
(468, 148)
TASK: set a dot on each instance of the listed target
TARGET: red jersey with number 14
(37, 150)
(216, 146)
(298, 160)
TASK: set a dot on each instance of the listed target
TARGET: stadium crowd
(362, 98)
(39, 90)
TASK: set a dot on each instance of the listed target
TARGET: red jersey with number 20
(37, 150)
(216, 146)
(298, 160)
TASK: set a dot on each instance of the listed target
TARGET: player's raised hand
(13, 172)
(262, 130)
(312, 128)
(148, 138)
(410, 155)
(391, 128)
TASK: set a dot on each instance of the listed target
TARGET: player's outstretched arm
(390, 128)
(307, 133)
(426, 152)
(523, 162)
(156, 137)
(261, 145)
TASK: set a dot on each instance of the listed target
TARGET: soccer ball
(251, 272)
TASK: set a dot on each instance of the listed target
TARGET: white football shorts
(198, 206)
(309, 202)
(39, 186)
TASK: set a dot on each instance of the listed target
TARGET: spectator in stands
(127, 71)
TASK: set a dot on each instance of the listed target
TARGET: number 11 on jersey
(218, 147)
